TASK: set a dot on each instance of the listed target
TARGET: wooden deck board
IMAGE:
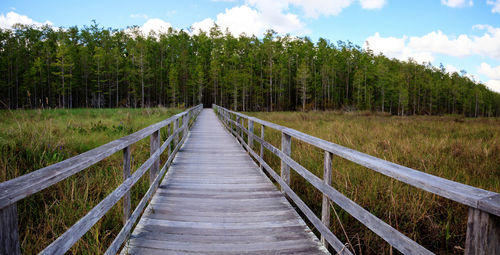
(216, 200)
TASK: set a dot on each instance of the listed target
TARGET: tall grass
(33, 139)
(462, 150)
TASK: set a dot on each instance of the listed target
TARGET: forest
(95, 67)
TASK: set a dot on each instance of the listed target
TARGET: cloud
(489, 71)
(451, 69)
(457, 3)
(372, 4)
(493, 73)
(493, 85)
(155, 25)
(243, 19)
(11, 18)
(139, 16)
(423, 48)
(394, 47)
(496, 5)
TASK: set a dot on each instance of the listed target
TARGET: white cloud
(493, 85)
(423, 48)
(457, 3)
(496, 5)
(493, 73)
(155, 25)
(489, 71)
(394, 47)
(243, 19)
(12, 18)
(203, 25)
(372, 4)
(139, 16)
(451, 69)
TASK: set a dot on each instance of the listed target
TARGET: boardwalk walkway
(216, 200)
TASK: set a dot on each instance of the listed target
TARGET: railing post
(261, 144)
(176, 137)
(126, 175)
(185, 119)
(483, 233)
(242, 121)
(154, 145)
(9, 235)
(237, 129)
(286, 147)
(325, 206)
(169, 149)
(250, 134)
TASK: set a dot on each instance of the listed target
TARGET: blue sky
(461, 34)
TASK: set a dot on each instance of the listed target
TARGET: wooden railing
(18, 188)
(483, 224)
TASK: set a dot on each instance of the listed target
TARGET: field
(461, 149)
(33, 139)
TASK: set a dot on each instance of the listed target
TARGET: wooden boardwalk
(216, 200)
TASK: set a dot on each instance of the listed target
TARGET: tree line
(44, 67)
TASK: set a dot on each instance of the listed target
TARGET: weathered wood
(250, 129)
(286, 147)
(220, 194)
(18, 188)
(9, 235)
(327, 179)
(262, 134)
(125, 231)
(388, 233)
(455, 191)
(126, 175)
(483, 233)
(153, 147)
(176, 137)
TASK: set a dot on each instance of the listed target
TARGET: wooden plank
(218, 195)
(18, 188)
(483, 233)
(9, 233)
(325, 205)
(126, 175)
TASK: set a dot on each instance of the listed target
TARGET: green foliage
(97, 67)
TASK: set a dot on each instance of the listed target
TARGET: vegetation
(96, 67)
(33, 139)
(456, 148)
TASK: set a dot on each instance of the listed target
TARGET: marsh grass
(32, 139)
(456, 148)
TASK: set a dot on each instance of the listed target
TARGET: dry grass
(33, 139)
(463, 150)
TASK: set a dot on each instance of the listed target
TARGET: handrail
(18, 188)
(484, 205)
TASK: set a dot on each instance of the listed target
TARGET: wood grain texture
(9, 235)
(483, 233)
(327, 178)
(215, 202)
(126, 175)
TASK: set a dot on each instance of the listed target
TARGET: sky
(460, 34)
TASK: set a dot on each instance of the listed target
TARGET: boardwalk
(216, 200)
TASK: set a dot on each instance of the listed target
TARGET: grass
(452, 147)
(32, 139)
